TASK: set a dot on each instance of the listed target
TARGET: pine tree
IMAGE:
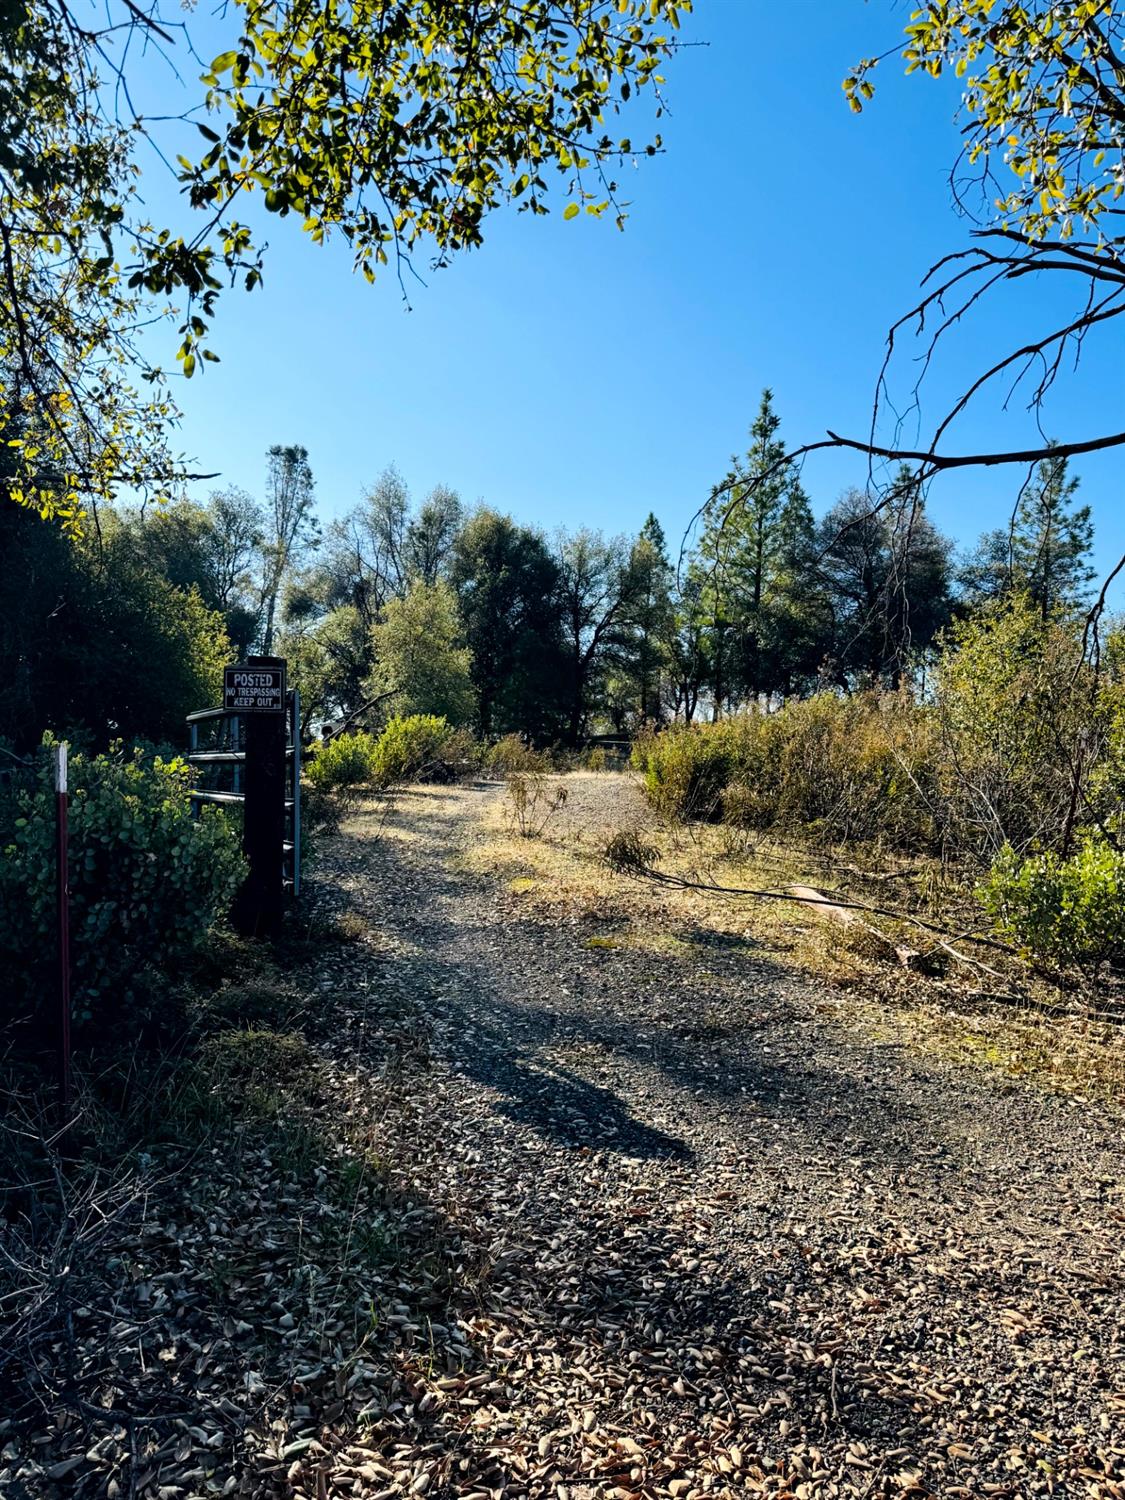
(1053, 539)
(649, 623)
(1045, 553)
(754, 569)
(799, 617)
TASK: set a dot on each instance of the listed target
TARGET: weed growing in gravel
(534, 800)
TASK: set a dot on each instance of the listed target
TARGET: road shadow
(530, 1011)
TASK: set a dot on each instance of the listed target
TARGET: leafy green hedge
(342, 763)
(1068, 913)
(408, 747)
(147, 882)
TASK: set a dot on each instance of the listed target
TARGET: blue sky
(571, 374)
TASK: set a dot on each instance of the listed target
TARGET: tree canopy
(1040, 175)
(393, 122)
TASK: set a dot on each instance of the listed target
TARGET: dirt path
(702, 1239)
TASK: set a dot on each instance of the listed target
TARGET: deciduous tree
(292, 526)
(421, 665)
(592, 583)
(396, 123)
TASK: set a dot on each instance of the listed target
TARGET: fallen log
(844, 916)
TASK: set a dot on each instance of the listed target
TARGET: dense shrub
(340, 764)
(147, 882)
(1030, 734)
(410, 747)
(688, 767)
(1069, 913)
(843, 768)
(513, 756)
(417, 747)
(75, 620)
(1016, 741)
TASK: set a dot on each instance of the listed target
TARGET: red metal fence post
(63, 888)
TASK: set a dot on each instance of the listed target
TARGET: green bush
(409, 747)
(1023, 714)
(1068, 913)
(147, 881)
(345, 762)
(842, 768)
(419, 746)
(689, 767)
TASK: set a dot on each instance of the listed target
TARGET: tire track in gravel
(760, 1256)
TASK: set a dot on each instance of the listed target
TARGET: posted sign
(254, 690)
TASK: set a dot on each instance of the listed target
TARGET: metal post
(296, 793)
(62, 870)
(193, 746)
(235, 731)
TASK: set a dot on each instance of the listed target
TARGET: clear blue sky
(571, 374)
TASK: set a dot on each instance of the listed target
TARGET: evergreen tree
(798, 616)
(886, 572)
(76, 619)
(1045, 553)
(507, 587)
(648, 627)
(753, 573)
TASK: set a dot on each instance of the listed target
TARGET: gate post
(259, 904)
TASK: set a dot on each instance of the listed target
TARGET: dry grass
(951, 1015)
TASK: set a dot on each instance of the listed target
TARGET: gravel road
(706, 1239)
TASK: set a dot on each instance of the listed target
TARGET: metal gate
(216, 740)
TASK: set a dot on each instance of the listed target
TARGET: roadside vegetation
(988, 803)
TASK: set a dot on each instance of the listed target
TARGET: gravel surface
(490, 1211)
(705, 1239)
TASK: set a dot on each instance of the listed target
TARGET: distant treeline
(435, 607)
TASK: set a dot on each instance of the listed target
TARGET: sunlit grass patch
(566, 876)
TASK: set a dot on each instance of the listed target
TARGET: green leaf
(571, 211)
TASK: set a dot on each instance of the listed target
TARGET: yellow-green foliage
(849, 768)
(857, 767)
(347, 761)
(689, 767)
(408, 747)
(1018, 742)
(1032, 736)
